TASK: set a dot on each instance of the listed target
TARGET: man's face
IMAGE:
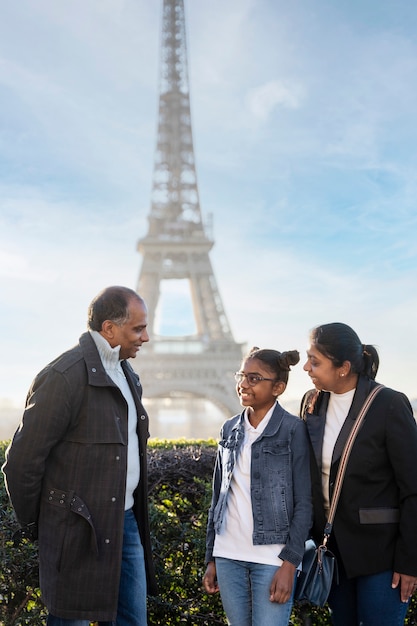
(132, 334)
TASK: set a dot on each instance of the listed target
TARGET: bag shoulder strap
(344, 459)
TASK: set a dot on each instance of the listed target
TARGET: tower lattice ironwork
(177, 246)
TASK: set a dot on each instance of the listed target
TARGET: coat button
(117, 458)
(93, 369)
(107, 541)
(143, 417)
(113, 499)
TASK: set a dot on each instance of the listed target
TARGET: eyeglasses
(253, 379)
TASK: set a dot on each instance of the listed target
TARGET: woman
(374, 532)
(260, 513)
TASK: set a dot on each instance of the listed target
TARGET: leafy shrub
(179, 477)
(19, 582)
(179, 496)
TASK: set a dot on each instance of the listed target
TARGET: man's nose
(144, 335)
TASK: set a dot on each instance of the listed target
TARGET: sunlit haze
(305, 142)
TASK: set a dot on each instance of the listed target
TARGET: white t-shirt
(337, 410)
(235, 538)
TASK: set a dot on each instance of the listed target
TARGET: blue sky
(305, 135)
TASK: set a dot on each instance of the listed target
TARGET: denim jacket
(280, 483)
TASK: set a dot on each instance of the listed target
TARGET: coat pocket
(66, 530)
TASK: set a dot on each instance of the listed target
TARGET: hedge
(179, 496)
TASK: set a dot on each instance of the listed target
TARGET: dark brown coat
(66, 470)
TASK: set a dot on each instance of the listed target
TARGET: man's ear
(107, 329)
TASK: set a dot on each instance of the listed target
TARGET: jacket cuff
(287, 554)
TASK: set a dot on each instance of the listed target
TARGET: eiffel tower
(176, 247)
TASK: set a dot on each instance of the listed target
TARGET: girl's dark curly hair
(278, 362)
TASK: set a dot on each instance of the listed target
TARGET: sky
(305, 135)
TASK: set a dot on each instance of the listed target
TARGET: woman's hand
(408, 585)
(210, 579)
(282, 583)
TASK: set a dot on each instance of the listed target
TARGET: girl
(260, 513)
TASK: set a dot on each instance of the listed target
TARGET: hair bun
(291, 357)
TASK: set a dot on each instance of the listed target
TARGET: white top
(111, 363)
(337, 410)
(235, 539)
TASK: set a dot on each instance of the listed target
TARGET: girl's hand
(209, 579)
(282, 583)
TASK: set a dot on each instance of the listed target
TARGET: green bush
(179, 496)
(19, 582)
(179, 489)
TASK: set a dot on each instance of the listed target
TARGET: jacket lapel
(275, 422)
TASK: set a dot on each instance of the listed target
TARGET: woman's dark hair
(278, 362)
(340, 343)
(111, 304)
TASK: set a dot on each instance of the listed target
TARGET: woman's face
(262, 394)
(323, 373)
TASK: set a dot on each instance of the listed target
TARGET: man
(76, 472)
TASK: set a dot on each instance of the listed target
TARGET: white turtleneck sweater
(111, 363)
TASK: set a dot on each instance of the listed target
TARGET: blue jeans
(131, 609)
(367, 601)
(244, 589)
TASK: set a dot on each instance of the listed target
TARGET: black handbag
(319, 568)
(319, 565)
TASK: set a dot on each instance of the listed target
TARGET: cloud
(261, 101)
(303, 122)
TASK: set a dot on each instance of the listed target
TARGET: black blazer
(375, 527)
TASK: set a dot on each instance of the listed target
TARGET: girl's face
(323, 373)
(258, 387)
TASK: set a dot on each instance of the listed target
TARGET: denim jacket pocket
(277, 459)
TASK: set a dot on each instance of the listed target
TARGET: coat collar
(95, 370)
(273, 425)
(362, 390)
(315, 425)
(97, 375)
